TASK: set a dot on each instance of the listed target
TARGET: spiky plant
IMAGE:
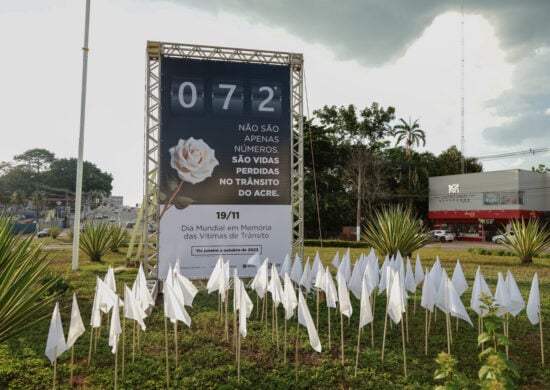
(394, 228)
(95, 240)
(24, 294)
(119, 237)
(530, 239)
(54, 232)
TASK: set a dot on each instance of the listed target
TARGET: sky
(400, 53)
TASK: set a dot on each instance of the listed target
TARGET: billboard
(225, 164)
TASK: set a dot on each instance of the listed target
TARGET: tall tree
(412, 134)
(62, 174)
(36, 160)
(448, 163)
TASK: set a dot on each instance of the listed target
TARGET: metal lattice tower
(157, 50)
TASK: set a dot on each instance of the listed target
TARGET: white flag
(320, 279)
(275, 287)
(287, 265)
(502, 296)
(410, 283)
(343, 295)
(533, 304)
(260, 281)
(365, 312)
(215, 281)
(459, 281)
(396, 305)
(345, 265)
(187, 288)
(418, 270)
(115, 330)
(174, 307)
(336, 260)
(296, 270)
(289, 298)
(76, 328)
(132, 308)
(110, 279)
(317, 263)
(331, 293)
(304, 318)
(356, 278)
(516, 300)
(245, 308)
(479, 289)
(428, 292)
(141, 291)
(305, 280)
(254, 260)
(55, 345)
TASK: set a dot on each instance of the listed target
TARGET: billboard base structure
(242, 111)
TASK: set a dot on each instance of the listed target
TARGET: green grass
(207, 360)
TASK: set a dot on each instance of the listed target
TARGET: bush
(95, 240)
(54, 232)
(119, 237)
(530, 239)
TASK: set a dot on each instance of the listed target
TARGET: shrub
(54, 232)
(23, 298)
(530, 239)
(95, 240)
(119, 237)
(395, 228)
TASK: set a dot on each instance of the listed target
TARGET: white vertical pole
(80, 164)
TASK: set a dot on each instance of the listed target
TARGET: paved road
(464, 245)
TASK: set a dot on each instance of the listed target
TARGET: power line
(512, 154)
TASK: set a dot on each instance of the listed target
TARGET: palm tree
(412, 134)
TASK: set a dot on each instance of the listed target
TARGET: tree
(448, 163)
(62, 174)
(369, 128)
(36, 159)
(541, 168)
(343, 132)
(412, 134)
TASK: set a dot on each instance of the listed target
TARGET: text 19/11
(227, 215)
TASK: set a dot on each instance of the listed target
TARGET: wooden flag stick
(342, 336)
(91, 341)
(134, 341)
(284, 343)
(276, 329)
(239, 357)
(296, 355)
(166, 348)
(317, 311)
(176, 342)
(404, 351)
(357, 351)
(384, 335)
(407, 321)
(72, 363)
(506, 333)
(116, 367)
(54, 367)
(541, 338)
(226, 324)
(328, 315)
(414, 303)
(426, 323)
(123, 342)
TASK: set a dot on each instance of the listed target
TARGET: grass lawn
(206, 359)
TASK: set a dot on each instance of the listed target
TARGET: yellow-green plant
(530, 239)
(54, 232)
(119, 237)
(95, 240)
(24, 295)
(394, 228)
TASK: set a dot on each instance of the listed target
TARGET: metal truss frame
(156, 50)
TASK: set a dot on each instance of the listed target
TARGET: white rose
(193, 159)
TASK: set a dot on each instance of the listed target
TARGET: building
(114, 201)
(479, 205)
